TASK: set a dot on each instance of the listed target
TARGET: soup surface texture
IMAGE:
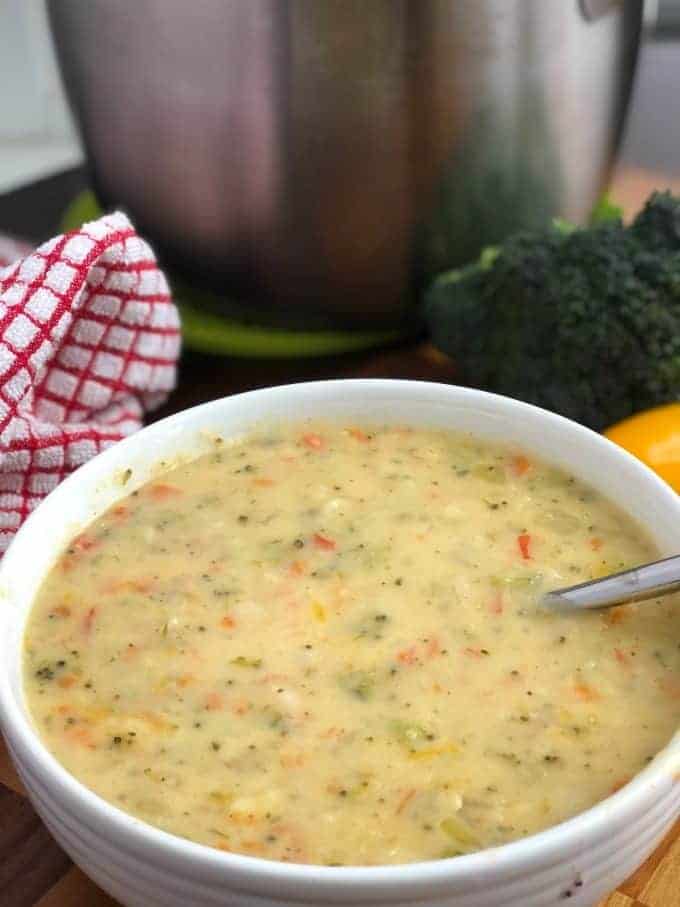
(323, 644)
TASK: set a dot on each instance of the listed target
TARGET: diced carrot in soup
(324, 643)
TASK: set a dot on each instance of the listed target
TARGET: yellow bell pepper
(653, 436)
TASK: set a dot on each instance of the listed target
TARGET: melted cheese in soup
(323, 644)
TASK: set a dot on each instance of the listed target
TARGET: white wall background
(37, 137)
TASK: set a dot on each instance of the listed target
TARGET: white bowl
(576, 862)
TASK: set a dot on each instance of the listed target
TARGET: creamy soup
(325, 644)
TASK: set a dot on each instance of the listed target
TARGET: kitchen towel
(89, 341)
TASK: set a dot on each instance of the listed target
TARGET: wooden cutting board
(35, 872)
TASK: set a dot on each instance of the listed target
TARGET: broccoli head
(584, 322)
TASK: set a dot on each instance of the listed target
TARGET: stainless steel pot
(319, 160)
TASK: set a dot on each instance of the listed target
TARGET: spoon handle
(644, 582)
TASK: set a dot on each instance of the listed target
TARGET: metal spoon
(640, 583)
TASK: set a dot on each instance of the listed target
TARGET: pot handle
(661, 18)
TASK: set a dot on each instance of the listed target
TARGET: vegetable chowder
(324, 644)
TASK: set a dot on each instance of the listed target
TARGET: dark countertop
(34, 212)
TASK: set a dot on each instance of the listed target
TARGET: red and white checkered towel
(89, 340)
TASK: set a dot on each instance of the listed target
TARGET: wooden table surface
(34, 871)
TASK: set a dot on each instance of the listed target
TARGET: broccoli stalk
(583, 322)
